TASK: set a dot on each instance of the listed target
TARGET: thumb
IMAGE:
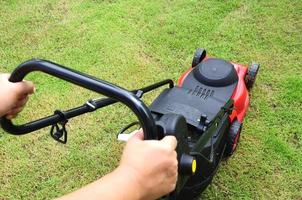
(139, 135)
(25, 87)
(169, 141)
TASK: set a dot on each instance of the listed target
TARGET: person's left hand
(13, 96)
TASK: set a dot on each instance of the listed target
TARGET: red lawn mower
(205, 112)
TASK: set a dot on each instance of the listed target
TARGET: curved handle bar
(91, 83)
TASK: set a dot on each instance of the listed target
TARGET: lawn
(135, 43)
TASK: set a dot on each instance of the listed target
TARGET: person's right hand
(151, 165)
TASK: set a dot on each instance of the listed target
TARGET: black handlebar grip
(91, 83)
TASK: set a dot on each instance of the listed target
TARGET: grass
(134, 43)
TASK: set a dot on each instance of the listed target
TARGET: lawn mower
(204, 111)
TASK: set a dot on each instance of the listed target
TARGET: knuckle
(165, 150)
(174, 154)
(172, 186)
(175, 164)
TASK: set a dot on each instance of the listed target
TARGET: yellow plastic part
(194, 166)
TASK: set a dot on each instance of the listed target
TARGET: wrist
(130, 182)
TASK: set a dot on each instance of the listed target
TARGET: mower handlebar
(91, 83)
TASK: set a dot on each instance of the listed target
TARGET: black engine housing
(204, 100)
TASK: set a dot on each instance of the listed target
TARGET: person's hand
(13, 96)
(147, 171)
(151, 165)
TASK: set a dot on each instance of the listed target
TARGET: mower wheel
(192, 192)
(251, 75)
(233, 138)
(199, 55)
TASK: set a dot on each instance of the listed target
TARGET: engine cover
(205, 90)
(215, 72)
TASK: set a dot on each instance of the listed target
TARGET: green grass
(134, 43)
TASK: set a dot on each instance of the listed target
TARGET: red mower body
(213, 86)
(240, 94)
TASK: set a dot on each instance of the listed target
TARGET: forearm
(118, 185)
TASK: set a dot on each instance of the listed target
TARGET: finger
(174, 181)
(15, 111)
(11, 116)
(170, 141)
(23, 96)
(172, 172)
(22, 102)
(138, 135)
(5, 76)
(25, 87)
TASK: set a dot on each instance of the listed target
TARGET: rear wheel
(199, 55)
(192, 192)
(233, 138)
(251, 75)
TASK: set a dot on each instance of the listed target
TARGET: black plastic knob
(187, 165)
